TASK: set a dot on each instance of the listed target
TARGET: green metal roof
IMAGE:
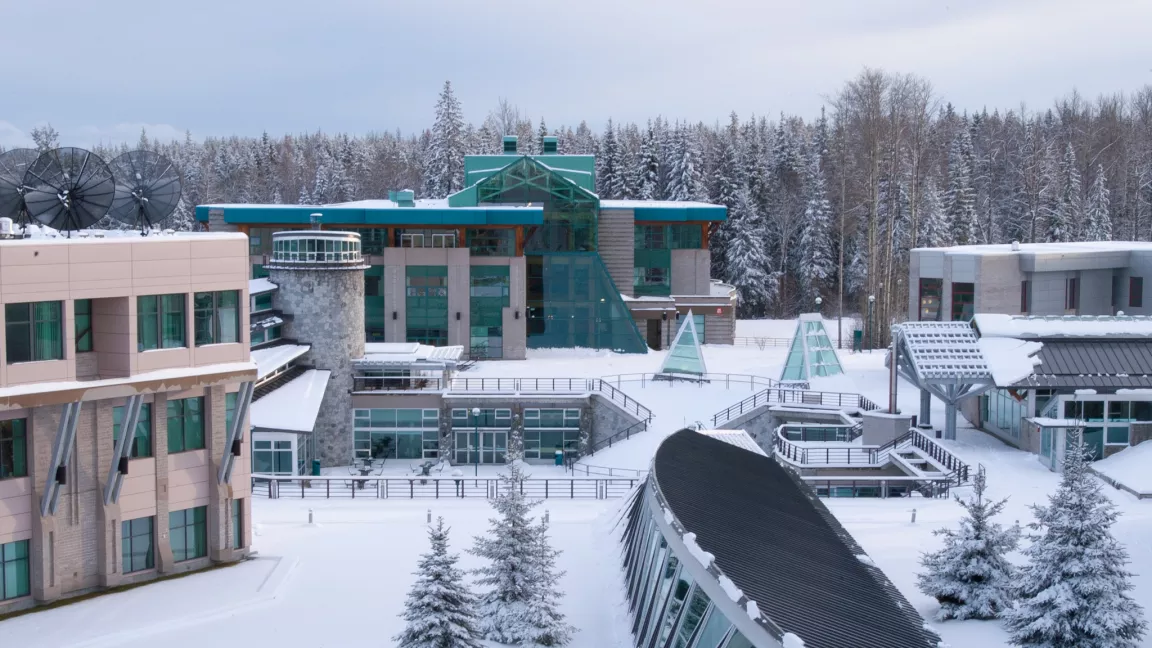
(580, 169)
(376, 212)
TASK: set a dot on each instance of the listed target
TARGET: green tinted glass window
(426, 304)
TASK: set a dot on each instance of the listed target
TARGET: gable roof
(778, 543)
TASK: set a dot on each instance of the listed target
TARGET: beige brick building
(109, 334)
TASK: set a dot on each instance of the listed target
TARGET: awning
(273, 358)
(293, 407)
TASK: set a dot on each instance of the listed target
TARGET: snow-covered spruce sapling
(970, 576)
(1074, 590)
(440, 610)
(520, 606)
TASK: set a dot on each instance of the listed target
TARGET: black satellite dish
(68, 189)
(13, 165)
(147, 189)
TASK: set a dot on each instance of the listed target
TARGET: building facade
(1091, 278)
(526, 256)
(105, 335)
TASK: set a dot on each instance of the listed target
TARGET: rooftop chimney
(549, 144)
(510, 145)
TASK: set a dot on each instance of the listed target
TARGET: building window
(963, 301)
(685, 237)
(188, 532)
(1072, 294)
(237, 524)
(262, 302)
(426, 238)
(273, 457)
(1136, 292)
(397, 433)
(489, 295)
(426, 304)
(83, 325)
(651, 237)
(549, 430)
(35, 331)
(492, 242)
(142, 440)
(217, 317)
(229, 410)
(1025, 296)
(373, 240)
(185, 425)
(15, 578)
(136, 545)
(931, 291)
(160, 322)
(13, 448)
(375, 313)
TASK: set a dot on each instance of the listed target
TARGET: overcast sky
(99, 71)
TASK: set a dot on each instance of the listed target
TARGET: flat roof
(294, 406)
(49, 236)
(774, 539)
(270, 359)
(376, 212)
(1043, 248)
(1063, 326)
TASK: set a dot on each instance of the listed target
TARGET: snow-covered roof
(1043, 248)
(631, 204)
(720, 289)
(261, 285)
(292, 407)
(273, 358)
(46, 235)
(408, 353)
(1129, 467)
(267, 322)
(738, 438)
(1009, 360)
(944, 350)
(647, 298)
(1017, 326)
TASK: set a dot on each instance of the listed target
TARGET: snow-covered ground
(343, 581)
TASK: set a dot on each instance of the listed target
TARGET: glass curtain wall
(484, 438)
(489, 296)
(668, 607)
(427, 304)
(375, 317)
(572, 302)
(397, 433)
(549, 430)
(653, 245)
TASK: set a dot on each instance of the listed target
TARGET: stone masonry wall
(328, 313)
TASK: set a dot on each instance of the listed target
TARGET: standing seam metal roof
(781, 547)
(1093, 363)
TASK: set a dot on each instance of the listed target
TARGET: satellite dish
(13, 165)
(147, 189)
(68, 189)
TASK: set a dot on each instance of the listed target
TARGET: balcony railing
(396, 383)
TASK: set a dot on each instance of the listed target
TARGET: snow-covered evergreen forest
(825, 204)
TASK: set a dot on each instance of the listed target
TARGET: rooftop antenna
(68, 189)
(13, 165)
(147, 189)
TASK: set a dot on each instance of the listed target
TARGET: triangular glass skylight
(811, 354)
(685, 357)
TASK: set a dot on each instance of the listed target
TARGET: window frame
(83, 318)
(145, 420)
(1136, 292)
(192, 523)
(10, 559)
(208, 321)
(1025, 296)
(14, 437)
(33, 320)
(958, 315)
(130, 537)
(238, 523)
(163, 311)
(185, 415)
(1072, 293)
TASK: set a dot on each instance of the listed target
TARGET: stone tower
(320, 275)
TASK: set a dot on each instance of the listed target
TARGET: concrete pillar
(164, 560)
(950, 421)
(219, 495)
(109, 518)
(925, 420)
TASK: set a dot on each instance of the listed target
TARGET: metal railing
(622, 435)
(339, 487)
(727, 380)
(820, 433)
(396, 383)
(781, 396)
(766, 342)
(605, 471)
(882, 487)
(551, 386)
(958, 471)
(807, 456)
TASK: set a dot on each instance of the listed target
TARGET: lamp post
(871, 325)
(819, 301)
(476, 423)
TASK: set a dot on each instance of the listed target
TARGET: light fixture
(664, 316)
(516, 314)
(393, 315)
(871, 298)
(457, 316)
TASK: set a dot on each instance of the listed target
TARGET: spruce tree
(746, 259)
(444, 159)
(440, 611)
(520, 605)
(610, 176)
(1067, 212)
(1074, 591)
(970, 575)
(816, 264)
(648, 166)
(1099, 222)
(933, 223)
(961, 202)
(684, 180)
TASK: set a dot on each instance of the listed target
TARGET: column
(925, 409)
(164, 560)
(219, 495)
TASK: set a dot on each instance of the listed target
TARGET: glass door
(493, 446)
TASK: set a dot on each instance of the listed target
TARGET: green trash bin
(559, 457)
(315, 467)
(857, 340)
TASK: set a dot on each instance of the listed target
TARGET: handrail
(781, 395)
(617, 396)
(828, 456)
(626, 433)
(606, 471)
(435, 487)
(957, 470)
(751, 380)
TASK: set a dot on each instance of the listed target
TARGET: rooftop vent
(405, 198)
(549, 144)
(315, 220)
(1015, 246)
(510, 145)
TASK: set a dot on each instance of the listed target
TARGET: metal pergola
(943, 360)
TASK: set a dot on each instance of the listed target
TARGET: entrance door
(654, 341)
(493, 447)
